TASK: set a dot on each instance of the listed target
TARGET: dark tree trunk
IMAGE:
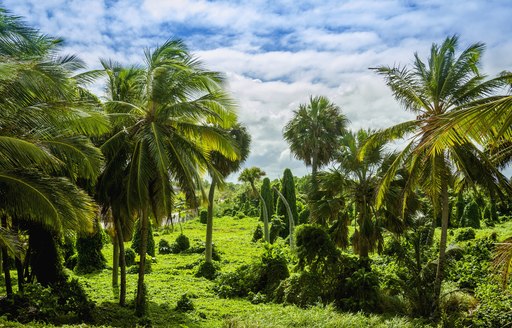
(5, 264)
(209, 224)
(122, 261)
(115, 262)
(140, 302)
(45, 260)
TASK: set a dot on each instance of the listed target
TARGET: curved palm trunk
(442, 244)
(290, 216)
(140, 301)
(122, 261)
(265, 214)
(209, 224)
(5, 264)
(115, 262)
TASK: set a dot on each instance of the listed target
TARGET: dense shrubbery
(129, 256)
(203, 216)
(136, 240)
(465, 234)
(90, 258)
(207, 270)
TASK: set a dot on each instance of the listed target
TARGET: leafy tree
(90, 258)
(166, 131)
(288, 191)
(313, 134)
(241, 139)
(136, 242)
(445, 83)
(471, 216)
(251, 175)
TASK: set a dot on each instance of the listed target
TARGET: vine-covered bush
(203, 216)
(258, 234)
(182, 243)
(465, 234)
(207, 270)
(136, 240)
(129, 256)
(90, 258)
(164, 247)
(471, 216)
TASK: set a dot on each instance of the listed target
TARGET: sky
(276, 54)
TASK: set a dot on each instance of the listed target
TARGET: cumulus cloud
(276, 54)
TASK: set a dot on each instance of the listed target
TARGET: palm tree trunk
(265, 213)
(122, 260)
(5, 263)
(290, 216)
(442, 244)
(140, 302)
(115, 262)
(209, 224)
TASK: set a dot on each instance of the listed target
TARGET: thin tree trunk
(5, 264)
(265, 214)
(122, 260)
(209, 224)
(19, 265)
(115, 262)
(290, 217)
(442, 244)
(140, 302)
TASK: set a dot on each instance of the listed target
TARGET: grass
(174, 275)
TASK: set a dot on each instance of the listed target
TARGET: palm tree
(348, 193)
(168, 130)
(45, 117)
(430, 90)
(250, 175)
(242, 140)
(313, 134)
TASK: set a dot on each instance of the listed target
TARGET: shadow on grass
(159, 315)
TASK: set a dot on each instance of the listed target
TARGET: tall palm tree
(242, 140)
(250, 175)
(46, 115)
(313, 134)
(167, 130)
(443, 84)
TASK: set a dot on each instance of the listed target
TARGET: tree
(46, 118)
(267, 195)
(241, 140)
(250, 175)
(313, 134)
(288, 191)
(166, 130)
(445, 83)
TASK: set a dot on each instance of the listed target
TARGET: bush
(258, 234)
(203, 217)
(494, 310)
(200, 249)
(465, 234)
(471, 216)
(315, 248)
(136, 240)
(359, 291)
(147, 267)
(129, 256)
(303, 289)
(276, 228)
(164, 247)
(185, 304)
(90, 258)
(182, 243)
(207, 270)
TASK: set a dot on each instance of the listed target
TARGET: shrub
(276, 228)
(185, 304)
(203, 217)
(129, 256)
(315, 248)
(303, 289)
(147, 267)
(207, 270)
(494, 310)
(465, 234)
(359, 291)
(164, 247)
(304, 216)
(258, 233)
(471, 216)
(182, 243)
(90, 258)
(136, 240)
(200, 249)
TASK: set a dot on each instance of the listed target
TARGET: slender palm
(250, 175)
(242, 140)
(168, 131)
(430, 90)
(313, 134)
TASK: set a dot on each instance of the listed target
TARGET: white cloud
(278, 53)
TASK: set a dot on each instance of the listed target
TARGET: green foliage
(207, 270)
(276, 228)
(303, 289)
(90, 258)
(49, 304)
(185, 304)
(267, 195)
(262, 276)
(258, 233)
(358, 290)
(203, 216)
(494, 310)
(288, 191)
(315, 248)
(304, 216)
(471, 216)
(129, 256)
(164, 247)
(465, 234)
(136, 240)
(182, 243)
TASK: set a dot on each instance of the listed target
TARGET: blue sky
(278, 53)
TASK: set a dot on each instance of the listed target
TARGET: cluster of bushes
(181, 244)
